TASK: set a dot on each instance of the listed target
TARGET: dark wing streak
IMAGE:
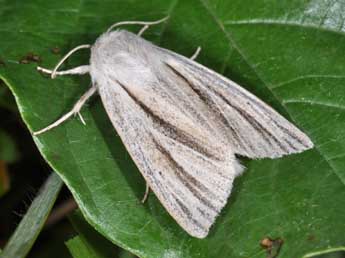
(170, 130)
(291, 134)
(236, 90)
(285, 130)
(188, 110)
(187, 178)
(257, 105)
(166, 93)
(257, 126)
(150, 174)
(184, 176)
(155, 181)
(214, 107)
(201, 70)
(204, 214)
(186, 211)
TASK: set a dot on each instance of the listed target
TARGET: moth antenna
(137, 23)
(53, 75)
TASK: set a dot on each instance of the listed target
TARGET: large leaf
(289, 53)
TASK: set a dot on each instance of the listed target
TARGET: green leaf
(30, 226)
(289, 53)
(89, 243)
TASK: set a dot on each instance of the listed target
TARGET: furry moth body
(181, 123)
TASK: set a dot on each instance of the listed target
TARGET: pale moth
(181, 123)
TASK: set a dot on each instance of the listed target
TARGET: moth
(181, 122)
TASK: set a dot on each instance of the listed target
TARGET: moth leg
(77, 70)
(147, 191)
(195, 55)
(75, 110)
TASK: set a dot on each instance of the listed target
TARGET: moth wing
(252, 127)
(190, 173)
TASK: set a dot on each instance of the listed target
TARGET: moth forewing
(252, 127)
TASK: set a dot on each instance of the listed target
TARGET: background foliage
(289, 53)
